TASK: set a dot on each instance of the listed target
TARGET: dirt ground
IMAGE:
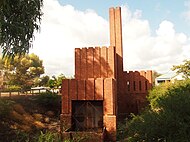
(26, 118)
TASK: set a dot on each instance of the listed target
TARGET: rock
(50, 113)
(46, 120)
(38, 117)
(16, 116)
(39, 124)
(55, 126)
(27, 118)
(19, 108)
(25, 128)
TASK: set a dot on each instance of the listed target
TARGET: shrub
(167, 119)
(49, 137)
(21, 136)
(121, 131)
(5, 107)
(49, 100)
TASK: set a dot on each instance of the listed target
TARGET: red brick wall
(90, 89)
(95, 62)
(136, 86)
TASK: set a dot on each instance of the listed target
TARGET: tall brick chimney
(116, 30)
(116, 41)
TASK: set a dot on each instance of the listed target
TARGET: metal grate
(87, 115)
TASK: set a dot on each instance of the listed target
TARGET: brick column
(116, 41)
(110, 108)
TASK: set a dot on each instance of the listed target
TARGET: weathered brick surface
(109, 98)
(112, 26)
(77, 63)
(111, 62)
(135, 97)
(97, 62)
(65, 122)
(73, 89)
(90, 62)
(136, 82)
(143, 81)
(119, 50)
(149, 79)
(110, 124)
(116, 40)
(104, 62)
(65, 96)
(83, 63)
(90, 89)
(118, 32)
(81, 90)
(99, 89)
(131, 81)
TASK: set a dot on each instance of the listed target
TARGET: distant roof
(37, 88)
(167, 76)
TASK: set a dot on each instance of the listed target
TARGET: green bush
(49, 100)
(48, 137)
(21, 136)
(167, 119)
(5, 107)
(121, 131)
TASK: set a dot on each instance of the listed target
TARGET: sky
(155, 33)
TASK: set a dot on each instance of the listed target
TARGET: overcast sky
(156, 33)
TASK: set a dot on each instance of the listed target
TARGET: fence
(20, 93)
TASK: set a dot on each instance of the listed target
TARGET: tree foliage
(55, 82)
(167, 119)
(44, 81)
(18, 21)
(22, 71)
(183, 68)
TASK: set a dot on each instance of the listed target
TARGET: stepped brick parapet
(95, 62)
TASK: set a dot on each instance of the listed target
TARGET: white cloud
(166, 30)
(142, 50)
(65, 28)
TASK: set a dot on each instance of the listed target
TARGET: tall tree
(18, 21)
(55, 82)
(23, 71)
(44, 81)
(183, 68)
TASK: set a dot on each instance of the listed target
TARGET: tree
(44, 81)
(183, 68)
(55, 82)
(23, 71)
(18, 21)
(167, 119)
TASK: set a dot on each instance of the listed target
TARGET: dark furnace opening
(87, 116)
